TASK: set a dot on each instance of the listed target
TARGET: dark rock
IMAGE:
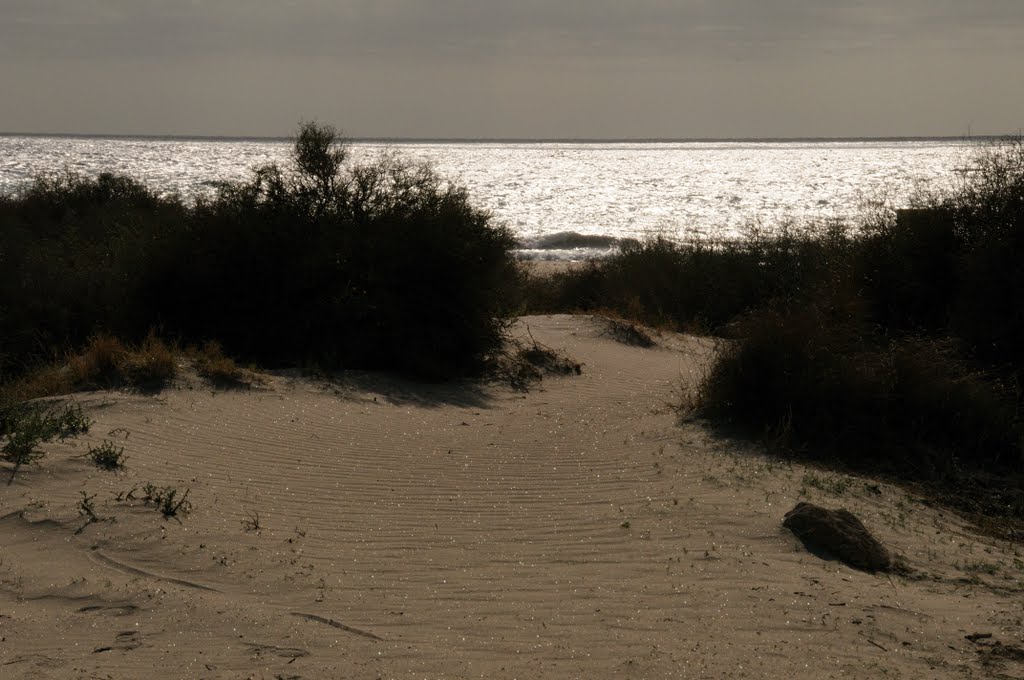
(838, 533)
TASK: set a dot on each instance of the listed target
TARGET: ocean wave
(570, 246)
(563, 255)
(570, 240)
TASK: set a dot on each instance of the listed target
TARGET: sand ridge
(375, 527)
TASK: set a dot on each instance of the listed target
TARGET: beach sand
(372, 527)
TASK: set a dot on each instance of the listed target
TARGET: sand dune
(408, 530)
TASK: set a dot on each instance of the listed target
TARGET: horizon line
(521, 140)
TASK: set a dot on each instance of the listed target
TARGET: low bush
(26, 425)
(696, 286)
(167, 500)
(822, 385)
(107, 456)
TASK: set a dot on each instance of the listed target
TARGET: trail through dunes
(373, 527)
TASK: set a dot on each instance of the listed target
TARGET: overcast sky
(514, 68)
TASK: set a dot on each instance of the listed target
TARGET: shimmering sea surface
(550, 191)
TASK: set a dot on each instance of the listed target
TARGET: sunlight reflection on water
(622, 190)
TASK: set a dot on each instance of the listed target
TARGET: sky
(514, 68)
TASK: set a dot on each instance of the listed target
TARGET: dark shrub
(383, 265)
(909, 269)
(909, 357)
(697, 285)
(954, 265)
(816, 381)
(380, 265)
(988, 209)
(74, 254)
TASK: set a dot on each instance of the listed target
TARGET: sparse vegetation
(107, 456)
(547, 360)
(251, 523)
(20, 449)
(125, 496)
(87, 508)
(167, 500)
(521, 364)
(26, 425)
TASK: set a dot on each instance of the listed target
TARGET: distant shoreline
(525, 140)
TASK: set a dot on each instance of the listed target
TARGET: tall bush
(920, 371)
(383, 264)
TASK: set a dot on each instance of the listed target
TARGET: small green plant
(29, 425)
(167, 500)
(151, 493)
(87, 509)
(173, 505)
(125, 496)
(251, 523)
(44, 420)
(107, 456)
(20, 449)
(72, 422)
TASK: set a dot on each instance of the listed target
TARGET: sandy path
(407, 530)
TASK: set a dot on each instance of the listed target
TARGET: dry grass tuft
(221, 370)
(104, 363)
(98, 363)
(151, 365)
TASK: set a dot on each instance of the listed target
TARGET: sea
(567, 200)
